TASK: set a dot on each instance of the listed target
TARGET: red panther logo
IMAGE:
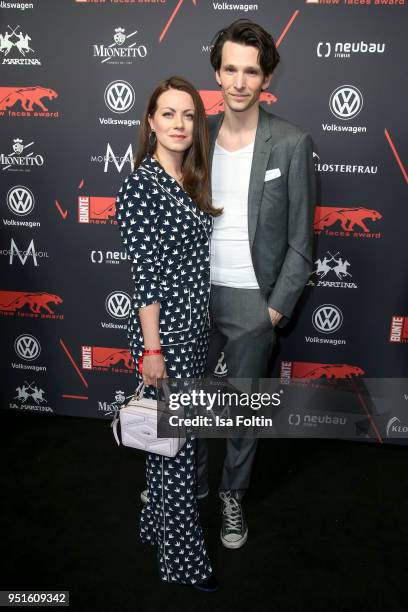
(27, 96)
(326, 216)
(107, 357)
(101, 207)
(16, 300)
(304, 369)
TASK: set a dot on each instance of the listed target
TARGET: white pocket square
(272, 174)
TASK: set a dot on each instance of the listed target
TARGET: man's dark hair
(245, 32)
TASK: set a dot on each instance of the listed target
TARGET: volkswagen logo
(327, 318)
(346, 102)
(119, 96)
(118, 304)
(27, 347)
(20, 200)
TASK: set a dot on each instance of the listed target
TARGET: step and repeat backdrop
(75, 77)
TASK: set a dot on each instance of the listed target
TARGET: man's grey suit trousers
(241, 328)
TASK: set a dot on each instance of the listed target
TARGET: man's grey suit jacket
(280, 210)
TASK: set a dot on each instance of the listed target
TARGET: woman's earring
(152, 141)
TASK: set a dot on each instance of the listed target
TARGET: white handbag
(138, 423)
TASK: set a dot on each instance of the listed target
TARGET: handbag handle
(114, 423)
(139, 390)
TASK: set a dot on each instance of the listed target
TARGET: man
(261, 253)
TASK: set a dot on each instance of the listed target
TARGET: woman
(164, 214)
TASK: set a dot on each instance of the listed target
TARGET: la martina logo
(123, 50)
(333, 270)
(15, 48)
(21, 157)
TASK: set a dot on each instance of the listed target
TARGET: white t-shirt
(231, 263)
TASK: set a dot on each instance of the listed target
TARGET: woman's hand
(154, 367)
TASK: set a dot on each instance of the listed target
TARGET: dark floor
(327, 524)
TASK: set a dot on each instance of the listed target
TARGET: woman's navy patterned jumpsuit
(167, 239)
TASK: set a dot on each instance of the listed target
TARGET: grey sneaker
(144, 495)
(234, 530)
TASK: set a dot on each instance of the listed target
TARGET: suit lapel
(260, 159)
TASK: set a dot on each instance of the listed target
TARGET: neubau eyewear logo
(344, 50)
(108, 257)
(118, 304)
(27, 347)
(119, 96)
(346, 102)
(20, 200)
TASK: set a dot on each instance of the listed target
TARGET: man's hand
(275, 316)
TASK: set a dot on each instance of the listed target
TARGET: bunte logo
(104, 359)
(309, 370)
(399, 329)
(96, 209)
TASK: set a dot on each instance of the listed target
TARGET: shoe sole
(204, 590)
(234, 545)
(202, 495)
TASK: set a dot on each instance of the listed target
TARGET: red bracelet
(147, 352)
